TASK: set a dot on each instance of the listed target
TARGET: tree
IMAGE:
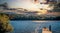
(4, 24)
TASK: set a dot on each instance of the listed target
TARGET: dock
(46, 30)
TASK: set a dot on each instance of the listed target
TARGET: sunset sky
(27, 4)
(18, 3)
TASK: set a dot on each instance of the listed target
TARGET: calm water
(35, 26)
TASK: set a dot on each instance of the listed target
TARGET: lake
(34, 26)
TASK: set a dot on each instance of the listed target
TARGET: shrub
(4, 24)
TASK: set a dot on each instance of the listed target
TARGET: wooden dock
(46, 30)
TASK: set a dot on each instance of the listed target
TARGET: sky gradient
(16, 3)
(27, 4)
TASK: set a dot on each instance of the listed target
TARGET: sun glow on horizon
(35, 6)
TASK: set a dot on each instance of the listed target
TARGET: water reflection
(35, 26)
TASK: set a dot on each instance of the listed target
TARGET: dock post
(49, 27)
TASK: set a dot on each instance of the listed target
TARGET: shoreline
(34, 20)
